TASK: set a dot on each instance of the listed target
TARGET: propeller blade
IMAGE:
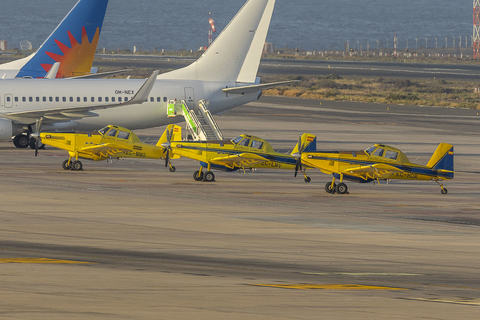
(167, 159)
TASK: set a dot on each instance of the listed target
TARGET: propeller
(167, 146)
(298, 155)
(36, 135)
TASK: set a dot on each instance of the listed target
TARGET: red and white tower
(395, 42)
(476, 29)
(211, 30)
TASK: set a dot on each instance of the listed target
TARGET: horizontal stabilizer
(256, 87)
(101, 75)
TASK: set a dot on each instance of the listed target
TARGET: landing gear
(172, 169)
(329, 188)
(21, 141)
(198, 175)
(341, 188)
(76, 165)
(442, 189)
(33, 142)
(67, 165)
(307, 179)
(209, 176)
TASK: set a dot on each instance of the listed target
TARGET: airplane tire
(444, 191)
(172, 169)
(341, 188)
(65, 166)
(77, 165)
(209, 176)
(21, 141)
(197, 176)
(329, 189)
(307, 179)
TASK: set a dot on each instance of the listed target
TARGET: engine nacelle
(8, 129)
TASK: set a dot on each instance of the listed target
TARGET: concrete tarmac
(131, 240)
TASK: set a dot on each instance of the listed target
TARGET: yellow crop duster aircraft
(379, 162)
(245, 151)
(110, 142)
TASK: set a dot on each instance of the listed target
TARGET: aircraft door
(190, 98)
(8, 101)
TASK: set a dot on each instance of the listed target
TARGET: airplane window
(71, 99)
(57, 99)
(50, 99)
(24, 99)
(257, 144)
(237, 139)
(37, 99)
(113, 99)
(30, 99)
(93, 99)
(8, 99)
(126, 99)
(164, 99)
(106, 99)
(85, 99)
(99, 99)
(245, 142)
(112, 133)
(379, 152)
(370, 150)
(391, 155)
(159, 99)
(152, 99)
(44, 99)
(64, 99)
(16, 99)
(123, 135)
(78, 99)
(103, 130)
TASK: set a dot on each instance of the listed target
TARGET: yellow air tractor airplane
(245, 151)
(379, 162)
(110, 142)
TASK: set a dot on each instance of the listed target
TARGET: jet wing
(373, 171)
(72, 113)
(241, 160)
(256, 87)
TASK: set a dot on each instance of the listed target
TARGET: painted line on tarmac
(41, 260)
(471, 302)
(362, 273)
(326, 286)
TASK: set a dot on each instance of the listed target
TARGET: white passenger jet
(225, 75)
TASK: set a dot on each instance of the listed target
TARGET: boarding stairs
(200, 125)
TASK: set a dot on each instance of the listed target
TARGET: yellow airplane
(379, 162)
(109, 142)
(244, 151)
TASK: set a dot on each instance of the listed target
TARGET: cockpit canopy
(251, 142)
(387, 153)
(118, 133)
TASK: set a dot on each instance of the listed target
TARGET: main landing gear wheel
(307, 179)
(76, 165)
(209, 176)
(21, 141)
(66, 166)
(341, 188)
(172, 169)
(329, 189)
(444, 191)
(197, 176)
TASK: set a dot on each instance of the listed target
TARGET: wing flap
(373, 171)
(238, 160)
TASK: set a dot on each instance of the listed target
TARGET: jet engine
(8, 129)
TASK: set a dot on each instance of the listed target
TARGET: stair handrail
(207, 115)
(193, 123)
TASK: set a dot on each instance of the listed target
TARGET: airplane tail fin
(308, 142)
(73, 43)
(176, 134)
(235, 54)
(442, 160)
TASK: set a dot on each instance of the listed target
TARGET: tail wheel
(66, 166)
(77, 165)
(329, 189)
(198, 176)
(444, 191)
(341, 188)
(172, 169)
(209, 176)
(307, 179)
